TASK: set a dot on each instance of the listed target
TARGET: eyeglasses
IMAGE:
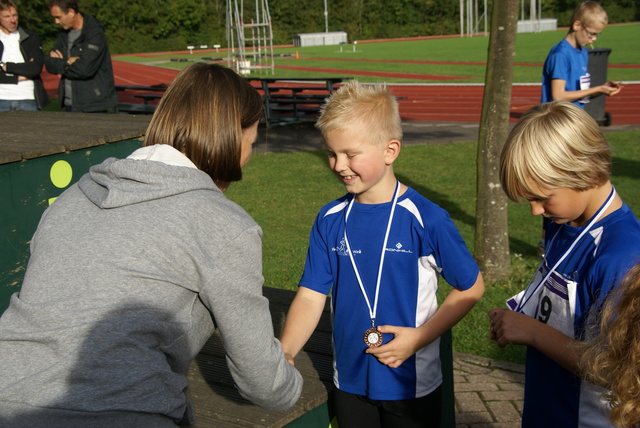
(590, 34)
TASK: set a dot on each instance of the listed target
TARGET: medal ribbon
(372, 311)
(525, 299)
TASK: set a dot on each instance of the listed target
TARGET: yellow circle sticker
(61, 174)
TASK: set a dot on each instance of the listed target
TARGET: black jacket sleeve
(33, 59)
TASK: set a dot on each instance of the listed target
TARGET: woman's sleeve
(254, 356)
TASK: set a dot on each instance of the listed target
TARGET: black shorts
(357, 411)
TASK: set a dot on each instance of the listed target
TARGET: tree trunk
(492, 236)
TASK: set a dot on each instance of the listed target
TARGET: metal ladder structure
(250, 44)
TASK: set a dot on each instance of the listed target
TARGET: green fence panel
(26, 190)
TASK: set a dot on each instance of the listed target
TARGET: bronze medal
(373, 337)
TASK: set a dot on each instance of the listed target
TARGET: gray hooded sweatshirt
(131, 271)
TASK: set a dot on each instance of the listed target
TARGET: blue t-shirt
(569, 64)
(597, 264)
(423, 242)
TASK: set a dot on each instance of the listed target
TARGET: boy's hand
(514, 328)
(404, 344)
(611, 88)
(511, 328)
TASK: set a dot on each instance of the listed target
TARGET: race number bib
(552, 303)
(585, 83)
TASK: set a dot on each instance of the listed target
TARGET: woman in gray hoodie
(134, 267)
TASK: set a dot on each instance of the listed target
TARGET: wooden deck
(28, 135)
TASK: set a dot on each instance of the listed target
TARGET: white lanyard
(372, 311)
(595, 218)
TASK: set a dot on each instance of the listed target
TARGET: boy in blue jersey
(557, 159)
(565, 76)
(379, 250)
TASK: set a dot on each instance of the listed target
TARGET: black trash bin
(598, 61)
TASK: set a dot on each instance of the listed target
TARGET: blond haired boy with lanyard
(557, 159)
(379, 251)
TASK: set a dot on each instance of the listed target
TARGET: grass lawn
(531, 49)
(284, 192)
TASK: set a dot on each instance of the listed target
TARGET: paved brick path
(488, 393)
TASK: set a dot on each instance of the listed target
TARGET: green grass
(284, 192)
(531, 48)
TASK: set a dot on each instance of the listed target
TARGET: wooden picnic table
(330, 83)
(145, 93)
(285, 100)
(148, 97)
(295, 99)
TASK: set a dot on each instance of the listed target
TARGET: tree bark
(492, 235)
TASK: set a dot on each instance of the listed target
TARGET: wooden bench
(216, 400)
(148, 97)
(133, 108)
(162, 87)
(218, 404)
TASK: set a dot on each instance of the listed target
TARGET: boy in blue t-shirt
(557, 159)
(379, 251)
(565, 75)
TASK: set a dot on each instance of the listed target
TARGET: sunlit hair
(7, 4)
(202, 114)
(613, 356)
(554, 145)
(589, 13)
(370, 108)
(65, 5)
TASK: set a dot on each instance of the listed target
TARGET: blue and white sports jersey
(423, 242)
(569, 64)
(553, 395)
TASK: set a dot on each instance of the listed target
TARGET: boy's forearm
(454, 307)
(302, 319)
(514, 328)
(559, 347)
(558, 92)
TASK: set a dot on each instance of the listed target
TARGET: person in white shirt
(21, 62)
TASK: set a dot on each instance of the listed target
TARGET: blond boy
(557, 159)
(565, 76)
(379, 250)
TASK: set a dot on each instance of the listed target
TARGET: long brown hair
(612, 358)
(202, 114)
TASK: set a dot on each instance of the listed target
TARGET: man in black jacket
(20, 64)
(81, 57)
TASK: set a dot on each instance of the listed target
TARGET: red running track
(448, 103)
(464, 103)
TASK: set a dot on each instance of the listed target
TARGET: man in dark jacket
(20, 64)
(81, 57)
